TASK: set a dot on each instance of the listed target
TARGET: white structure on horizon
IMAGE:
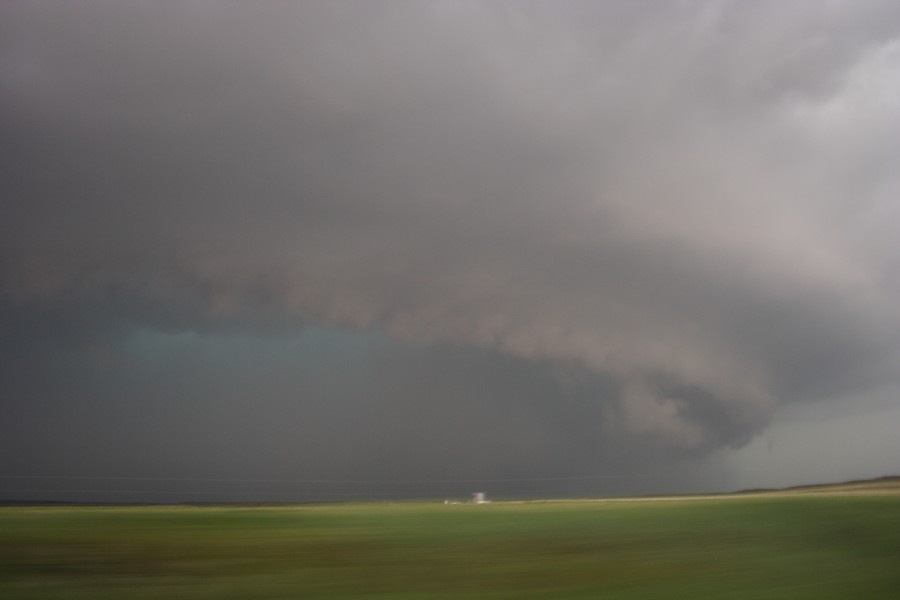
(478, 498)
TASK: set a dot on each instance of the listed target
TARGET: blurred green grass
(753, 547)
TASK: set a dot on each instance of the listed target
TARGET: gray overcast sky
(344, 249)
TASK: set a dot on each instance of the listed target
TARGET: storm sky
(335, 249)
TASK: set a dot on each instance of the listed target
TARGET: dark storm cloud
(693, 204)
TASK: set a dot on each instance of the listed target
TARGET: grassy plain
(754, 546)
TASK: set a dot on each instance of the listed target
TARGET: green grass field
(777, 546)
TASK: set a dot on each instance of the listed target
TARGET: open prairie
(775, 545)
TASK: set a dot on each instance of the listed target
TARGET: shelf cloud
(687, 213)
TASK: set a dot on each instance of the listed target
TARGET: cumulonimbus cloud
(696, 200)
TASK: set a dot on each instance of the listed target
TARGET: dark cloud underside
(586, 236)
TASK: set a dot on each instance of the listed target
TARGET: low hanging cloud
(696, 201)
